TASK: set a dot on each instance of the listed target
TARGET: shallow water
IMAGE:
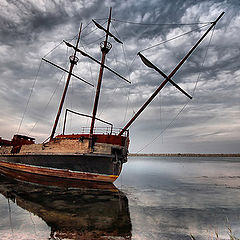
(171, 198)
(159, 198)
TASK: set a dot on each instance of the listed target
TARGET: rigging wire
(75, 36)
(91, 73)
(159, 24)
(185, 105)
(116, 31)
(45, 108)
(160, 112)
(133, 111)
(90, 31)
(107, 103)
(31, 91)
(171, 39)
(128, 72)
(19, 127)
(102, 37)
(204, 59)
(115, 59)
(71, 39)
(100, 19)
(53, 49)
(173, 120)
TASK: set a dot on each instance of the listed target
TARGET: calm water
(156, 198)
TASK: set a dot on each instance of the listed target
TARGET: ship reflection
(83, 212)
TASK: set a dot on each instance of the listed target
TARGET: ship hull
(91, 167)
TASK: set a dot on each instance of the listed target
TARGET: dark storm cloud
(30, 29)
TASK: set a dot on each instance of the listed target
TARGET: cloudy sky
(210, 122)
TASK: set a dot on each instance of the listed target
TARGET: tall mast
(167, 78)
(73, 61)
(105, 47)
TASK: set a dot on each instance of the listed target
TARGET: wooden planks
(62, 173)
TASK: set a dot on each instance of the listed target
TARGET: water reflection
(86, 212)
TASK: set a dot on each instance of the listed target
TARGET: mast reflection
(73, 210)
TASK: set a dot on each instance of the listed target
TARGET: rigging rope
(100, 19)
(45, 108)
(171, 39)
(31, 91)
(127, 71)
(37, 77)
(160, 24)
(53, 49)
(94, 41)
(91, 73)
(90, 31)
(160, 111)
(204, 59)
(128, 92)
(104, 106)
(69, 40)
(185, 105)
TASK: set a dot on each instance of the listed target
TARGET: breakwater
(184, 154)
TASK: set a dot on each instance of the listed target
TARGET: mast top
(107, 31)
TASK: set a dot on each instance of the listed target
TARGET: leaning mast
(167, 78)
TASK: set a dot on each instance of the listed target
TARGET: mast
(105, 47)
(168, 78)
(73, 60)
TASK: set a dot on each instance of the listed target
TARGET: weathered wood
(6, 150)
(56, 181)
(62, 173)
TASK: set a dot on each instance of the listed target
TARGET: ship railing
(104, 130)
(84, 115)
(97, 130)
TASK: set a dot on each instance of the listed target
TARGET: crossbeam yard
(55, 65)
(151, 65)
(95, 60)
(107, 31)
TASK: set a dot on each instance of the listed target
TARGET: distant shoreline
(184, 154)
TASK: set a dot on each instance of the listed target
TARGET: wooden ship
(87, 156)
